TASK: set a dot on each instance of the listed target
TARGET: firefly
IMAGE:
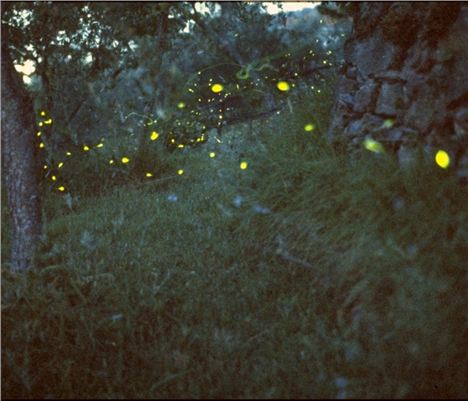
(442, 159)
(282, 86)
(373, 146)
(216, 88)
(309, 127)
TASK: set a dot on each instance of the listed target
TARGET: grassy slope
(352, 285)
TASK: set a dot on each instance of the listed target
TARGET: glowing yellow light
(198, 139)
(53, 178)
(39, 133)
(40, 124)
(111, 161)
(190, 90)
(373, 146)
(49, 121)
(180, 146)
(149, 175)
(68, 153)
(282, 86)
(99, 145)
(212, 154)
(125, 160)
(41, 145)
(181, 105)
(309, 127)
(216, 88)
(45, 167)
(85, 148)
(154, 136)
(60, 165)
(218, 140)
(388, 123)
(442, 158)
(243, 165)
(61, 188)
(180, 172)
(43, 113)
(172, 140)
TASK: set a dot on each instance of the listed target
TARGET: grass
(307, 275)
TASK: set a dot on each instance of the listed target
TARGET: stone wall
(404, 80)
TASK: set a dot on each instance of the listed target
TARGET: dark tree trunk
(19, 164)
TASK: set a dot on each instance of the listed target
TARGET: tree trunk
(19, 164)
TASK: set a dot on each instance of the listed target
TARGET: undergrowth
(306, 275)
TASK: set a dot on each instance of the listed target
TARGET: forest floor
(307, 274)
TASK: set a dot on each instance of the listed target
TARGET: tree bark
(19, 163)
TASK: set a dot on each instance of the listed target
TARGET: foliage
(263, 257)
(305, 275)
(113, 66)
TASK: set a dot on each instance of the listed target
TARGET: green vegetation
(308, 274)
(201, 239)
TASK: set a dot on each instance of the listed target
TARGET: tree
(19, 163)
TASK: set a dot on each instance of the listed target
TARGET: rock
(422, 86)
(462, 171)
(405, 156)
(369, 123)
(394, 135)
(355, 127)
(409, 135)
(425, 61)
(373, 55)
(460, 132)
(413, 80)
(390, 76)
(461, 116)
(419, 116)
(460, 123)
(346, 85)
(346, 99)
(365, 97)
(428, 108)
(372, 122)
(390, 99)
(351, 73)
